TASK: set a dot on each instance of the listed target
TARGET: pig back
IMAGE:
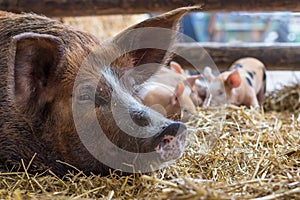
(16, 129)
(167, 77)
(253, 70)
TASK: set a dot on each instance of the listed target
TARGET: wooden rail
(276, 56)
(60, 8)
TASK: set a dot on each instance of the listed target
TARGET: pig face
(174, 103)
(110, 120)
(183, 97)
(216, 92)
(74, 94)
(170, 93)
(190, 81)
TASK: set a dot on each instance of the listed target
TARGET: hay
(232, 153)
(287, 98)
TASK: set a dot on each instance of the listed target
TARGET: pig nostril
(141, 118)
(167, 140)
(168, 133)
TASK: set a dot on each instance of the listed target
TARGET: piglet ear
(178, 92)
(234, 79)
(208, 74)
(192, 79)
(35, 64)
(176, 67)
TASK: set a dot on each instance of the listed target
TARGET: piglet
(170, 93)
(243, 84)
(192, 81)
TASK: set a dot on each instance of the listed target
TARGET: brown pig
(65, 97)
(170, 93)
(243, 84)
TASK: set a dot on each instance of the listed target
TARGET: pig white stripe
(121, 100)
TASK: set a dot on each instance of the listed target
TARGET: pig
(198, 91)
(201, 89)
(170, 94)
(244, 84)
(53, 99)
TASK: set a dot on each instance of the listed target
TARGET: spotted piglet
(243, 84)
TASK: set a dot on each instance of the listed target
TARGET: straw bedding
(232, 153)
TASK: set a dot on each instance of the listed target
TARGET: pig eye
(220, 92)
(85, 93)
(85, 97)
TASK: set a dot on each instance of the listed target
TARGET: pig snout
(170, 136)
(170, 143)
(174, 129)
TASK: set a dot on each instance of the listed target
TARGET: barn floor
(232, 153)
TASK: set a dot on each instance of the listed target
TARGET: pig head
(243, 84)
(65, 97)
(191, 81)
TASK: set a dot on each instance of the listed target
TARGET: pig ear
(192, 79)
(178, 92)
(34, 65)
(208, 74)
(176, 67)
(149, 40)
(234, 79)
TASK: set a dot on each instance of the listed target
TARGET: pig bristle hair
(116, 85)
(124, 99)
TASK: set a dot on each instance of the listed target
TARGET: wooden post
(64, 8)
(60, 8)
(276, 56)
(252, 5)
